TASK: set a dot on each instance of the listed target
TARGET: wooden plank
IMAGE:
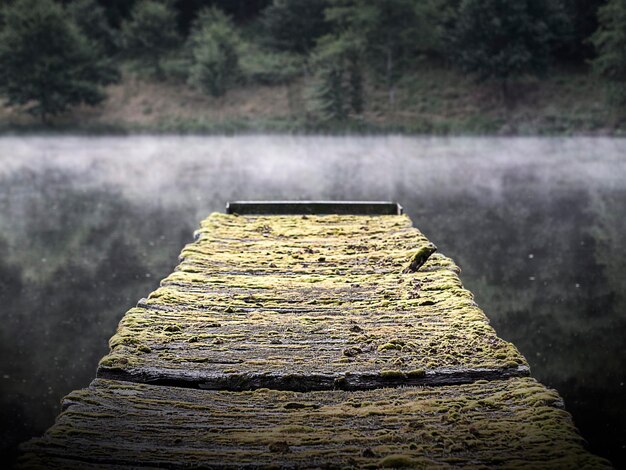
(370, 208)
(308, 303)
(331, 322)
(516, 423)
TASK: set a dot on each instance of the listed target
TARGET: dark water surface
(90, 225)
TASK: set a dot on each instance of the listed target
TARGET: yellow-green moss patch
(252, 293)
(495, 424)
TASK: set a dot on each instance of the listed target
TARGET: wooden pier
(311, 341)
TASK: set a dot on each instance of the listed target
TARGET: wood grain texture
(308, 303)
(309, 342)
(516, 423)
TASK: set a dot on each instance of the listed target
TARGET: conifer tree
(337, 88)
(502, 40)
(46, 63)
(151, 33)
(610, 44)
(214, 45)
(92, 21)
(583, 18)
(294, 25)
(394, 33)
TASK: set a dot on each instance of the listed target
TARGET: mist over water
(90, 225)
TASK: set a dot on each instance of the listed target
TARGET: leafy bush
(176, 65)
(269, 68)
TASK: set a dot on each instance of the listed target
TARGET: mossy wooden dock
(307, 341)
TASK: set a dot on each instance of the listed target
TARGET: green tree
(92, 21)
(337, 89)
(610, 44)
(118, 10)
(214, 45)
(502, 40)
(269, 67)
(395, 33)
(294, 25)
(46, 63)
(3, 4)
(583, 17)
(151, 33)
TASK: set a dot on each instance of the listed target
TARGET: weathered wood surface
(310, 342)
(308, 303)
(515, 423)
(313, 208)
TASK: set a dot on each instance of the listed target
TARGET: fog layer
(90, 225)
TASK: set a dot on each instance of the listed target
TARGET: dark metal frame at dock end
(371, 208)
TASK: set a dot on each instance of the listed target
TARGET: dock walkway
(307, 341)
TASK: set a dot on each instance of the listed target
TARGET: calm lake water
(90, 225)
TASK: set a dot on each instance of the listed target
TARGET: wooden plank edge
(237, 382)
(370, 208)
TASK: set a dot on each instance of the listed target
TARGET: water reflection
(88, 226)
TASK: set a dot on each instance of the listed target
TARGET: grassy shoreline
(435, 100)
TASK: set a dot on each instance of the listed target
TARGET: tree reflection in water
(541, 246)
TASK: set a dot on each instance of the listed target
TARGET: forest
(426, 66)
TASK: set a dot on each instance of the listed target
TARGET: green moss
(420, 427)
(225, 307)
(395, 344)
(113, 360)
(389, 374)
(397, 461)
(352, 351)
(416, 373)
(419, 258)
(172, 328)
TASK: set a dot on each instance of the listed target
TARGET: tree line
(58, 54)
